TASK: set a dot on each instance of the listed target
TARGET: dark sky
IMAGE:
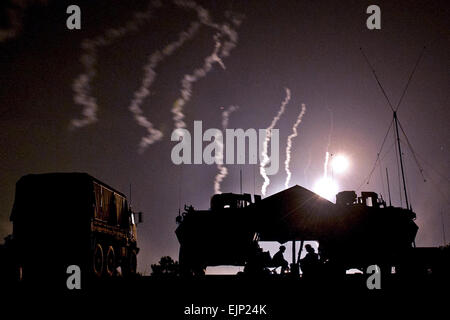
(310, 47)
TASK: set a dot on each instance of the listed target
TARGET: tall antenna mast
(395, 113)
(389, 189)
(401, 158)
(180, 178)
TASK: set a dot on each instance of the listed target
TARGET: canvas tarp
(295, 214)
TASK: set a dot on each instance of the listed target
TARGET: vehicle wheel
(97, 263)
(110, 262)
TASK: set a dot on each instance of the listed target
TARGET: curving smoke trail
(221, 50)
(225, 40)
(189, 79)
(223, 29)
(149, 76)
(289, 145)
(327, 153)
(265, 158)
(223, 171)
(81, 85)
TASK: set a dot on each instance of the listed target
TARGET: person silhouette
(310, 262)
(279, 261)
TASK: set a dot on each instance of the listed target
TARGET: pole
(293, 252)
(401, 159)
(302, 242)
(389, 189)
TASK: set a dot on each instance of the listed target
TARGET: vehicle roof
(66, 177)
(294, 214)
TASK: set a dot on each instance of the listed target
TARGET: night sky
(310, 47)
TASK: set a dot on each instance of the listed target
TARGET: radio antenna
(389, 189)
(394, 111)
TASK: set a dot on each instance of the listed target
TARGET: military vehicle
(353, 233)
(63, 219)
(222, 235)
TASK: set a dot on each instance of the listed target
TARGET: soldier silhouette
(279, 261)
(310, 262)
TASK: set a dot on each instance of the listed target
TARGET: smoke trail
(289, 144)
(149, 76)
(265, 158)
(327, 153)
(221, 50)
(224, 29)
(223, 171)
(189, 79)
(81, 85)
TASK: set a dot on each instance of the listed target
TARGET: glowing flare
(339, 164)
(326, 188)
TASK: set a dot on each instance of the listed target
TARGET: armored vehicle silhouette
(353, 233)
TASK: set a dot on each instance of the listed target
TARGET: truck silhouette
(63, 219)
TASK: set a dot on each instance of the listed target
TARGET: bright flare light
(326, 188)
(339, 163)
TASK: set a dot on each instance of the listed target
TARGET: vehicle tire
(110, 262)
(97, 261)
